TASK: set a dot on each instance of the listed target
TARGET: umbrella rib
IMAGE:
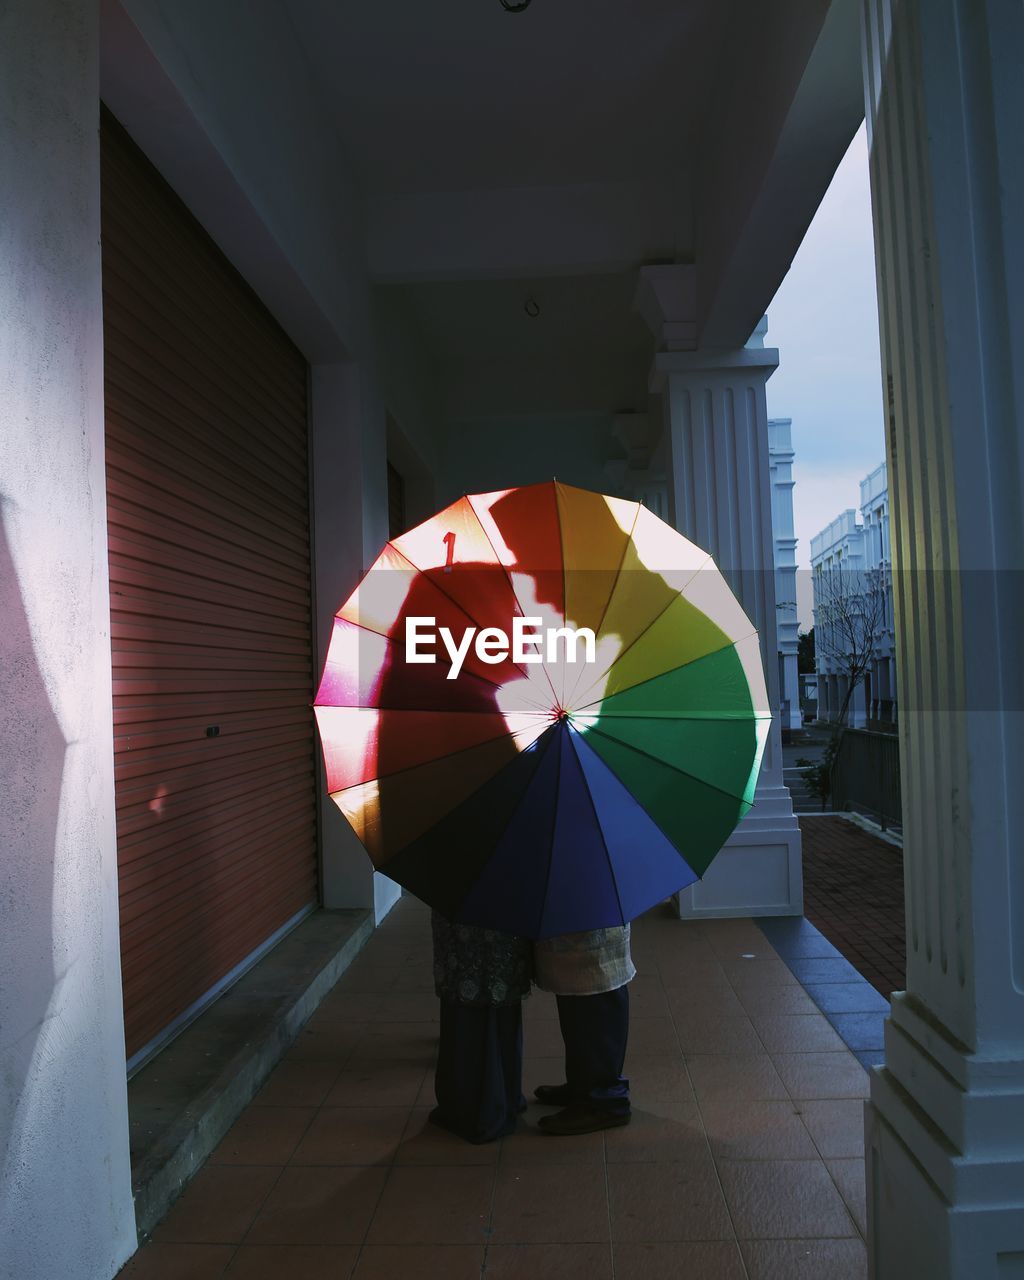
(440, 661)
(644, 809)
(597, 823)
(512, 585)
(640, 683)
(547, 734)
(685, 773)
(445, 755)
(462, 609)
(551, 843)
(615, 582)
(675, 596)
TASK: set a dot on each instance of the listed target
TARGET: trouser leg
(595, 1030)
(478, 1080)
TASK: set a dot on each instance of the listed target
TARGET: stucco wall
(65, 1193)
(497, 453)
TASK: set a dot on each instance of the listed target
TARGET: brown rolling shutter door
(208, 517)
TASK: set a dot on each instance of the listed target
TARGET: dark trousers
(478, 1081)
(595, 1030)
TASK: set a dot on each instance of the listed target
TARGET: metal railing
(866, 776)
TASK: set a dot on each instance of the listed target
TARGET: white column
(716, 421)
(945, 1124)
(65, 1183)
(349, 515)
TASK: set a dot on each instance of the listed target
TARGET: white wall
(65, 1192)
(497, 453)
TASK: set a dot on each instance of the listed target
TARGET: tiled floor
(853, 893)
(744, 1160)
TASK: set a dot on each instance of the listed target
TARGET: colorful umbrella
(543, 710)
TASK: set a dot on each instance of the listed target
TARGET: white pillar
(65, 1183)
(791, 685)
(945, 1123)
(349, 515)
(716, 421)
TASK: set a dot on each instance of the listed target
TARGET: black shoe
(553, 1095)
(582, 1118)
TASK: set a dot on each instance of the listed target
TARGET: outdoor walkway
(744, 1160)
(853, 893)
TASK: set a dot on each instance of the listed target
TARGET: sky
(824, 321)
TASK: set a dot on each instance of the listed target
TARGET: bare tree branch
(849, 614)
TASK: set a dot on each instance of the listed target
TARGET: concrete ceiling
(462, 95)
(552, 152)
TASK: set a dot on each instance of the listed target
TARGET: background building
(780, 466)
(852, 580)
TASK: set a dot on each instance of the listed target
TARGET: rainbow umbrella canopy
(543, 710)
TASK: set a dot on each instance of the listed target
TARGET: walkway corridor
(744, 1160)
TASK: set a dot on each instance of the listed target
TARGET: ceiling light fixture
(514, 6)
(532, 307)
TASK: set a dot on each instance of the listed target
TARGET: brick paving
(853, 893)
(744, 1160)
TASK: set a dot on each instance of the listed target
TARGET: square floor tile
(704, 1004)
(321, 1040)
(848, 1175)
(717, 1076)
(548, 1262)
(836, 1125)
(860, 1030)
(319, 1205)
(396, 1042)
(419, 1262)
(297, 1083)
(694, 1260)
(717, 1034)
(549, 1204)
(780, 1199)
(219, 1204)
(657, 1078)
(771, 1001)
(156, 1261)
(367, 1083)
(667, 1201)
(822, 1075)
(353, 1135)
(440, 1205)
(813, 970)
(746, 1129)
(797, 1033)
(660, 1131)
(425, 1143)
(847, 997)
(296, 1261)
(529, 1145)
(263, 1135)
(805, 1259)
(654, 1036)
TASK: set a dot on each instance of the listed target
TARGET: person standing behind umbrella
(588, 973)
(481, 977)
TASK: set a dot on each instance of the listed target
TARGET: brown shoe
(581, 1118)
(553, 1095)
